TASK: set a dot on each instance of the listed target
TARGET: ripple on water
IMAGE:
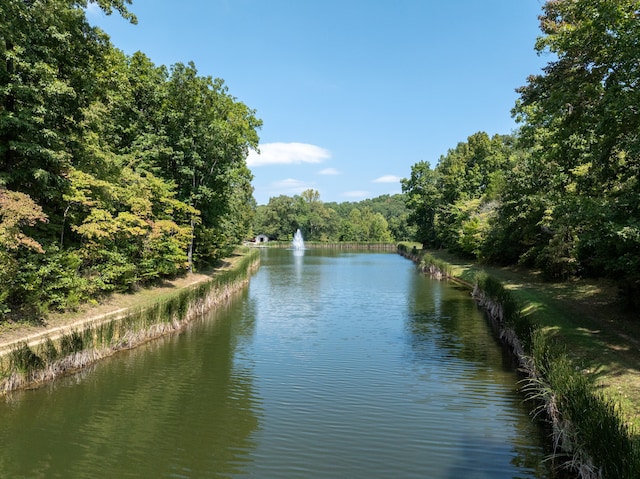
(327, 367)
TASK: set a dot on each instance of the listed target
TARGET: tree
(392, 207)
(48, 53)
(314, 217)
(452, 205)
(113, 171)
(18, 211)
(423, 196)
(208, 135)
(364, 225)
(278, 219)
(580, 118)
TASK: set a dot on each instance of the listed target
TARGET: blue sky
(352, 93)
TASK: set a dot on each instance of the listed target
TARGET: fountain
(298, 242)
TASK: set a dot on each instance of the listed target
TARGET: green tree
(580, 120)
(364, 225)
(48, 55)
(423, 197)
(314, 219)
(138, 170)
(394, 210)
(208, 134)
(455, 201)
(278, 219)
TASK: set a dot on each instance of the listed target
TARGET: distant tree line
(381, 219)
(113, 171)
(563, 192)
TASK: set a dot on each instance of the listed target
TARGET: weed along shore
(592, 424)
(30, 357)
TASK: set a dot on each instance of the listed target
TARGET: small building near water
(262, 239)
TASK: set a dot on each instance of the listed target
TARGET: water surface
(329, 365)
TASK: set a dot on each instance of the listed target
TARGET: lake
(331, 364)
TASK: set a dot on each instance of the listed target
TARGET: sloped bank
(590, 438)
(29, 364)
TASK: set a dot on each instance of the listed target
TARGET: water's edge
(31, 364)
(574, 451)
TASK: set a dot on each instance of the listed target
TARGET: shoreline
(33, 355)
(590, 434)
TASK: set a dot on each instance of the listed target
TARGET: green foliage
(71, 343)
(588, 427)
(48, 351)
(114, 170)
(351, 222)
(423, 196)
(18, 211)
(453, 204)
(207, 138)
(580, 123)
(392, 208)
(562, 193)
(512, 316)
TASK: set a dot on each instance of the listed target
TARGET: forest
(561, 193)
(381, 219)
(114, 172)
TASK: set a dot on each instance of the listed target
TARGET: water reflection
(332, 364)
(452, 343)
(180, 406)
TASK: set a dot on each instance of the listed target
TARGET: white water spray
(298, 241)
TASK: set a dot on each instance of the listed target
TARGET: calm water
(330, 365)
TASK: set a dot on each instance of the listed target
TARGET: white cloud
(329, 171)
(356, 194)
(287, 154)
(387, 179)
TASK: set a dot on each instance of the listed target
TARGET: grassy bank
(581, 372)
(40, 357)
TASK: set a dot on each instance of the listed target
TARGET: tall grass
(589, 432)
(22, 359)
(78, 348)
(502, 305)
(48, 351)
